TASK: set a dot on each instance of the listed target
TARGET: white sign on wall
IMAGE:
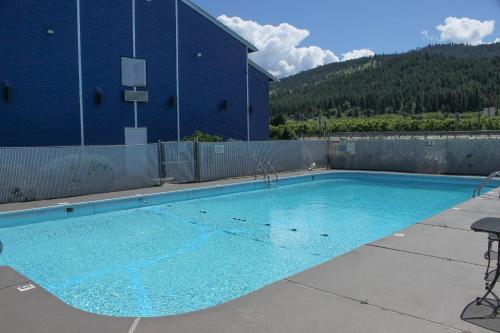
(351, 147)
(134, 72)
(219, 149)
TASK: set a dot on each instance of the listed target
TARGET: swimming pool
(184, 251)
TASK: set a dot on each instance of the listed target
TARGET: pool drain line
(1, 247)
(194, 217)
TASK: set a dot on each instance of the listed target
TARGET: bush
(200, 136)
(278, 120)
(398, 123)
(283, 133)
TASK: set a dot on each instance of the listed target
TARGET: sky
(298, 35)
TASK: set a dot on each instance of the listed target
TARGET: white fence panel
(53, 172)
(179, 162)
(456, 156)
(237, 159)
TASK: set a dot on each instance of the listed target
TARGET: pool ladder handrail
(266, 174)
(484, 183)
(273, 170)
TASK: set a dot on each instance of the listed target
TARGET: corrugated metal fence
(456, 156)
(44, 173)
(28, 174)
(237, 159)
(178, 162)
(39, 173)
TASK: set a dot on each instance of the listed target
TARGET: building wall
(106, 32)
(156, 37)
(259, 102)
(43, 71)
(206, 81)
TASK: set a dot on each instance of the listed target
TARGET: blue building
(96, 72)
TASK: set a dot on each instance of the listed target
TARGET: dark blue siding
(259, 101)
(42, 70)
(155, 31)
(220, 74)
(106, 37)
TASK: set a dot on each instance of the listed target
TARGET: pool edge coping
(199, 188)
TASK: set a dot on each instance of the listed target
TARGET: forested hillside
(442, 78)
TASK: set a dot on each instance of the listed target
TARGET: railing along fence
(38, 173)
(238, 159)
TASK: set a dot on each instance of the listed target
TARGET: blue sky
(382, 26)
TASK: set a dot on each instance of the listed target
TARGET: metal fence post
(197, 176)
(161, 163)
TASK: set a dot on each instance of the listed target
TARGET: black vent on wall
(172, 102)
(99, 96)
(250, 109)
(7, 91)
(225, 105)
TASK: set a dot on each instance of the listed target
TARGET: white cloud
(356, 54)
(497, 40)
(465, 30)
(279, 46)
(427, 35)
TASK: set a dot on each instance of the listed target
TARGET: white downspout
(134, 55)
(248, 99)
(80, 88)
(177, 70)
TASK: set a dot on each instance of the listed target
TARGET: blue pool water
(189, 255)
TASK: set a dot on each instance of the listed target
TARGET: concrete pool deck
(417, 281)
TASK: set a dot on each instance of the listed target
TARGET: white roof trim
(212, 19)
(263, 71)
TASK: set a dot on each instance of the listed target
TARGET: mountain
(439, 78)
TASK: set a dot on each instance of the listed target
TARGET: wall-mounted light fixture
(199, 55)
(225, 105)
(99, 96)
(50, 31)
(172, 102)
(7, 91)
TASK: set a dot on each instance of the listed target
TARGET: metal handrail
(273, 170)
(484, 183)
(266, 174)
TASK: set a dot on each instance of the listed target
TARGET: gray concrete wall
(460, 156)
